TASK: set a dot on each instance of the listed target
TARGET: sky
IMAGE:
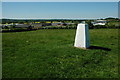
(60, 0)
(59, 10)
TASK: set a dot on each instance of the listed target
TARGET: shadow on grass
(100, 48)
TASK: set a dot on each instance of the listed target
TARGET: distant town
(34, 24)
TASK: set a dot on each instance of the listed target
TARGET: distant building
(57, 24)
(36, 25)
(60, 24)
(46, 24)
(21, 25)
(99, 22)
(5, 25)
(0, 25)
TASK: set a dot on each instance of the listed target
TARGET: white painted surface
(82, 36)
(99, 22)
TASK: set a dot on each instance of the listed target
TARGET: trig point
(82, 36)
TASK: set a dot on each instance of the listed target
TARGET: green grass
(51, 54)
(113, 23)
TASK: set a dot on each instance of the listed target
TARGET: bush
(99, 26)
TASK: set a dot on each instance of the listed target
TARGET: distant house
(5, 25)
(21, 25)
(58, 24)
(36, 25)
(0, 25)
(46, 24)
(99, 22)
(69, 23)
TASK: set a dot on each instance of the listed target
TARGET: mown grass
(50, 54)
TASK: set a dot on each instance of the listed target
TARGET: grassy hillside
(50, 54)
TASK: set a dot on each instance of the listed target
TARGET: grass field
(50, 54)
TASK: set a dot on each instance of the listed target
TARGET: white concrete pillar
(82, 36)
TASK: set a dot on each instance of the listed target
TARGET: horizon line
(60, 18)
